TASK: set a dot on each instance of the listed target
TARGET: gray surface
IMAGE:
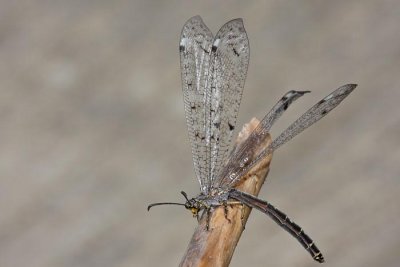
(93, 129)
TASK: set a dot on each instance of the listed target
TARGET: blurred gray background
(93, 130)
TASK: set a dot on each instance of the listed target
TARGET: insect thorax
(216, 197)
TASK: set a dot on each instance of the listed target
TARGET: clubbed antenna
(185, 195)
(169, 203)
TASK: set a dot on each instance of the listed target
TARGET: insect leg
(234, 202)
(208, 214)
(242, 217)
(225, 204)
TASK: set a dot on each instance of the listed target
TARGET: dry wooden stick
(215, 247)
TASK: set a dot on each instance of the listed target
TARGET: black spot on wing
(231, 127)
(197, 135)
(205, 50)
(286, 106)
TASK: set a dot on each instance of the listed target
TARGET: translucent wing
(195, 49)
(250, 148)
(314, 114)
(228, 69)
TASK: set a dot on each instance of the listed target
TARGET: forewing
(228, 68)
(252, 146)
(310, 117)
(195, 48)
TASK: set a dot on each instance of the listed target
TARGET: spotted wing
(228, 68)
(314, 114)
(251, 147)
(195, 48)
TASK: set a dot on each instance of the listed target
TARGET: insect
(213, 74)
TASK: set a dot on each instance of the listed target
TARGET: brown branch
(216, 246)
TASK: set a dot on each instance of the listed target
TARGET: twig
(215, 247)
